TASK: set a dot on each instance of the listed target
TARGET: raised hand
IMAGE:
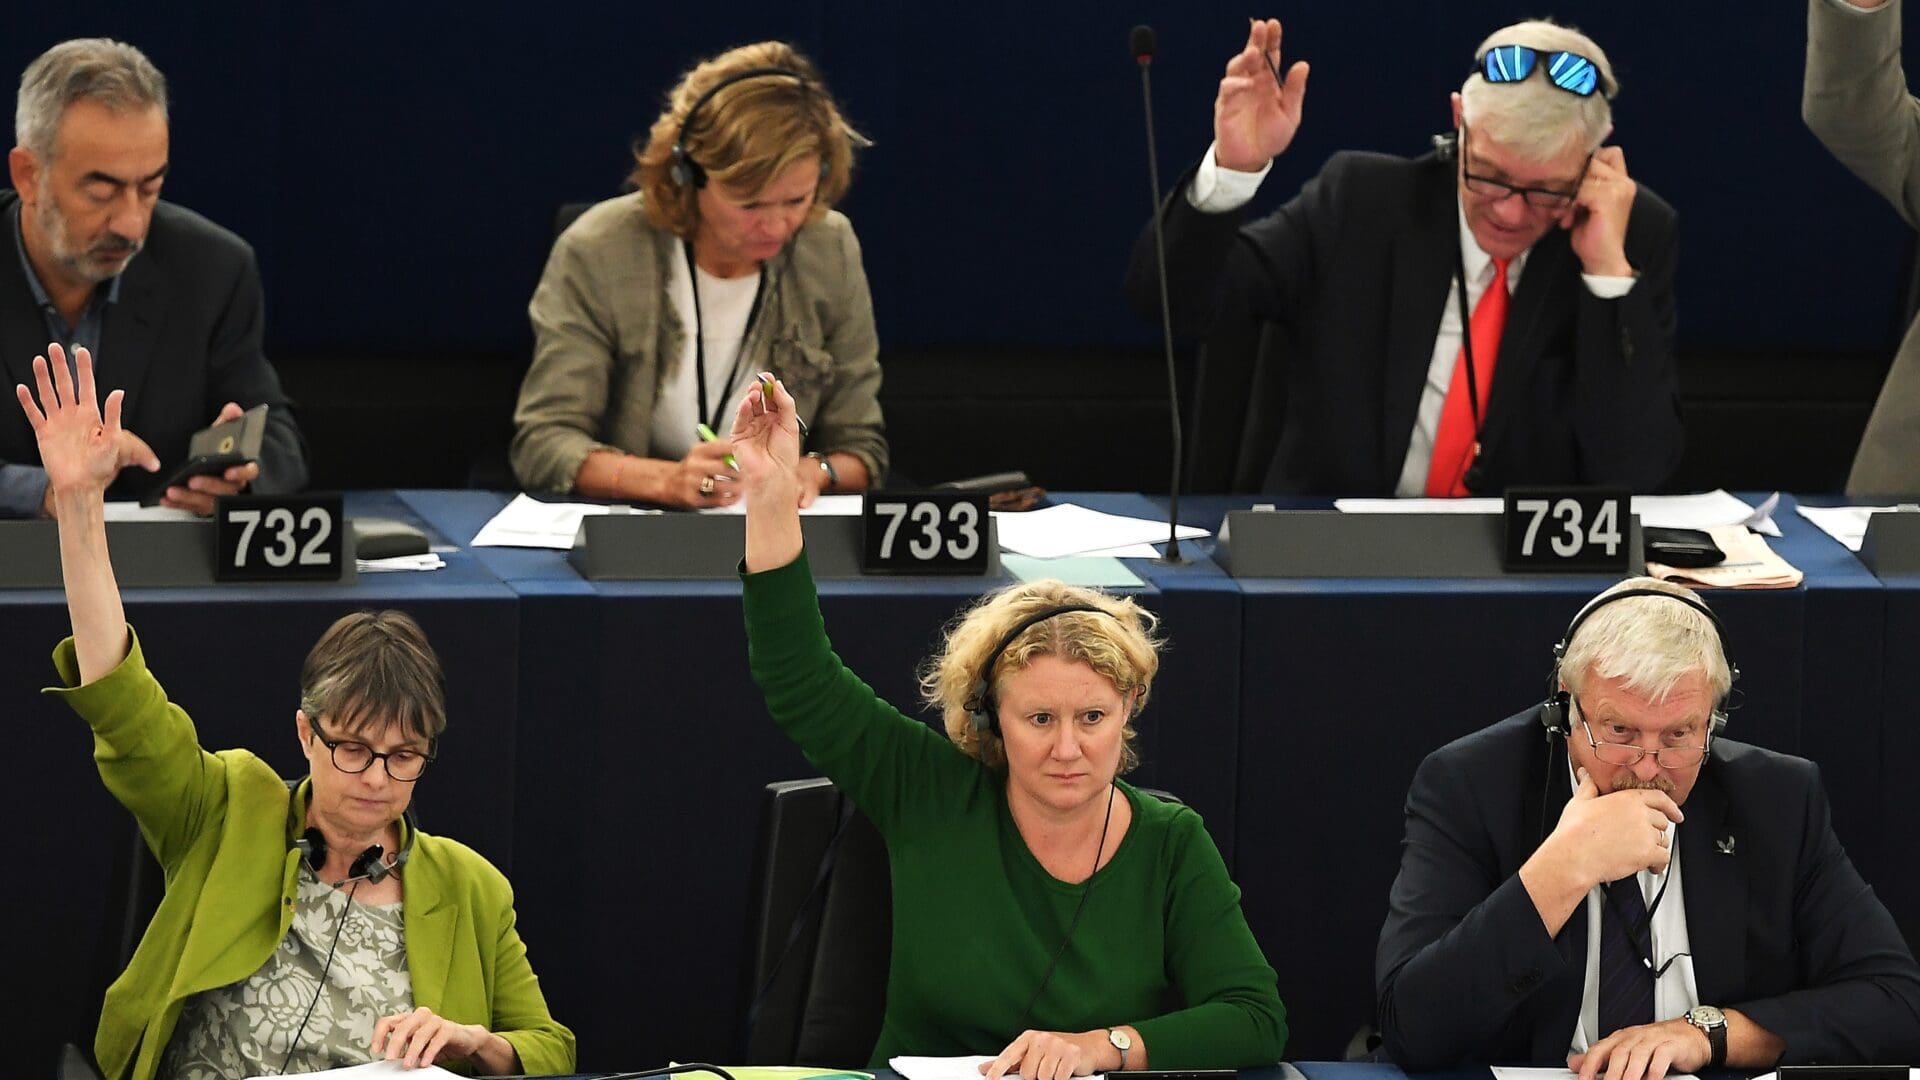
(81, 448)
(1257, 113)
(1597, 220)
(766, 439)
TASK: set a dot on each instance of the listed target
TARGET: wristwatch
(1123, 1042)
(1714, 1023)
(833, 474)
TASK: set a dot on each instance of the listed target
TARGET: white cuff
(1607, 286)
(1217, 189)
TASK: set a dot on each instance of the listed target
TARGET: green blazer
(222, 826)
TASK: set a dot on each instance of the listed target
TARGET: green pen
(707, 435)
(766, 394)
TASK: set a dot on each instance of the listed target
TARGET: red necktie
(1457, 442)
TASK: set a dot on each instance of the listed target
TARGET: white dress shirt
(725, 306)
(1218, 190)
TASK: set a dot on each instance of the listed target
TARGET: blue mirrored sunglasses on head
(1511, 63)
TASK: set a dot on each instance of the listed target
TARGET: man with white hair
(168, 303)
(1638, 894)
(1365, 280)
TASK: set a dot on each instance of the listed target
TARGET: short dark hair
(376, 668)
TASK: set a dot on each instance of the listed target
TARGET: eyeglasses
(1512, 63)
(1538, 198)
(1613, 753)
(357, 757)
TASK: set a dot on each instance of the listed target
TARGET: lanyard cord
(712, 416)
(1466, 342)
(1633, 930)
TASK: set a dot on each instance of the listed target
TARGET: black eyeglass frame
(384, 757)
(1537, 198)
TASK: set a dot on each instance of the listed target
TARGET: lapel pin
(1724, 845)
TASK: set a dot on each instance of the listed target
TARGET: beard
(1626, 781)
(103, 260)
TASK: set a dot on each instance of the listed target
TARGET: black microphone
(1141, 43)
(670, 1070)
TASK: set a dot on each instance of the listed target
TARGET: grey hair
(1648, 643)
(111, 73)
(1533, 117)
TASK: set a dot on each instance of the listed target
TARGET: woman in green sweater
(1044, 911)
(304, 926)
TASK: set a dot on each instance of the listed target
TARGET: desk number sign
(279, 538)
(1569, 529)
(945, 532)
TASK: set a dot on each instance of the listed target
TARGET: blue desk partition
(230, 656)
(645, 746)
(1347, 685)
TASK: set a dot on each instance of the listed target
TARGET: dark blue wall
(396, 165)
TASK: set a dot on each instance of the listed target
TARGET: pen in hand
(766, 394)
(707, 435)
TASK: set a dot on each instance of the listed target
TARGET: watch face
(1706, 1016)
(1120, 1039)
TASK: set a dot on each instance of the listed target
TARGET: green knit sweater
(1161, 944)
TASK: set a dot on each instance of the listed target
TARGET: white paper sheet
(528, 522)
(824, 506)
(1068, 529)
(375, 1071)
(1697, 511)
(1847, 524)
(1510, 1072)
(398, 563)
(133, 511)
(947, 1068)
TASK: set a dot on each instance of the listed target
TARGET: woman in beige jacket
(656, 307)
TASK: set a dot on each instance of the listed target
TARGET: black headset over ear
(1556, 714)
(982, 711)
(685, 171)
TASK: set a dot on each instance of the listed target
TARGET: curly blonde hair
(1117, 640)
(746, 135)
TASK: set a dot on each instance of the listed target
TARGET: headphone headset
(982, 711)
(686, 172)
(1556, 714)
(367, 866)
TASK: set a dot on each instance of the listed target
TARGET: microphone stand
(1143, 49)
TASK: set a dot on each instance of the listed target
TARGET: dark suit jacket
(1349, 279)
(182, 340)
(1783, 928)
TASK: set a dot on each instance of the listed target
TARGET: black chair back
(821, 927)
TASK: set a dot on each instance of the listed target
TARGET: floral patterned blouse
(244, 1029)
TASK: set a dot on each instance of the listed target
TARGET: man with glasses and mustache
(1390, 362)
(1638, 894)
(167, 302)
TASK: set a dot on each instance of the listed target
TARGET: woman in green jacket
(304, 926)
(1044, 911)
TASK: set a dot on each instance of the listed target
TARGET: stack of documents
(428, 561)
(1750, 564)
